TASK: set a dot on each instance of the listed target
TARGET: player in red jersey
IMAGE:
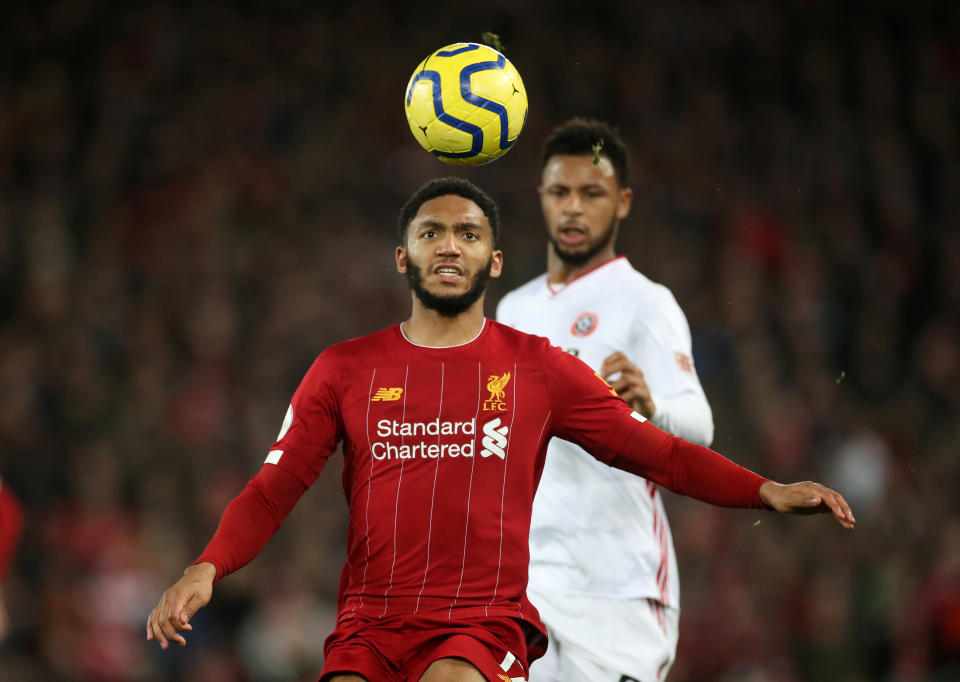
(444, 422)
(11, 524)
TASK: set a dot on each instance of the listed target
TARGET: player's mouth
(572, 235)
(448, 272)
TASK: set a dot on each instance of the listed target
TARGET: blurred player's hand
(630, 385)
(807, 498)
(4, 619)
(179, 603)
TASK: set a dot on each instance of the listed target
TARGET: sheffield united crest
(584, 325)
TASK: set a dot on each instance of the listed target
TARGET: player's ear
(401, 257)
(624, 202)
(496, 263)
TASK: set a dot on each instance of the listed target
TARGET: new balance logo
(494, 439)
(387, 395)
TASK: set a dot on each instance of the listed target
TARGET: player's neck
(561, 272)
(427, 327)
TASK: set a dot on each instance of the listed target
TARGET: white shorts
(599, 639)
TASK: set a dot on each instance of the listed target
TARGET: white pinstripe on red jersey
(396, 506)
(366, 514)
(473, 464)
(433, 498)
(506, 465)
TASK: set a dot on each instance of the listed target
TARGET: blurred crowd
(196, 199)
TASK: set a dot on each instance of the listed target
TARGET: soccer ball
(466, 104)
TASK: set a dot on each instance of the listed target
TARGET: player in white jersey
(603, 572)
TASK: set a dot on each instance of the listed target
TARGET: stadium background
(195, 199)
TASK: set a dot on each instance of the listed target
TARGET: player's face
(583, 205)
(449, 254)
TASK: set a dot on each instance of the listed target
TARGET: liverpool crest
(496, 385)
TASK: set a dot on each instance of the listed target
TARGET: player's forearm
(251, 519)
(689, 469)
(687, 415)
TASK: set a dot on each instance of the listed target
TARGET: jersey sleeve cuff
(203, 559)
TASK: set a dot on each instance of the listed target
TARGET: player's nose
(573, 205)
(448, 245)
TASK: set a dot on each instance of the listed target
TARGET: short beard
(582, 257)
(448, 306)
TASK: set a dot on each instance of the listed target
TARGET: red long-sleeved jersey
(443, 449)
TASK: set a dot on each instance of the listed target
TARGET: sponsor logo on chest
(461, 437)
(460, 442)
(494, 439)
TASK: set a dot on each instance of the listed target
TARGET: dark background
(196, 199)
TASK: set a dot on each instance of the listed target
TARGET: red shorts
(401, 648)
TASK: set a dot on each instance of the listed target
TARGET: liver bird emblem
(496, 385)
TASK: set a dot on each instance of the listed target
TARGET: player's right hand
(631, 385)
(179, 603)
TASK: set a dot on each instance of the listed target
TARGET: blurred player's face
(449, 255)
(583, 205)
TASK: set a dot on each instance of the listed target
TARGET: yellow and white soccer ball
(466, 104)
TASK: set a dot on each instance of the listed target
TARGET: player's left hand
(178, 604)
(630, 385)
(807, 498)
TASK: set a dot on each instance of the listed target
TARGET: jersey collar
(554, 290)
(483, 328)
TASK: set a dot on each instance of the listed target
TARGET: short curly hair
(460, 187)
(578, 137)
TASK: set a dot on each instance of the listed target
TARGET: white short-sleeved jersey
(597, 530)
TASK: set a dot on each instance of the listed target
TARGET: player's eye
(471, 236)
(557, 191)
(428, 234)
